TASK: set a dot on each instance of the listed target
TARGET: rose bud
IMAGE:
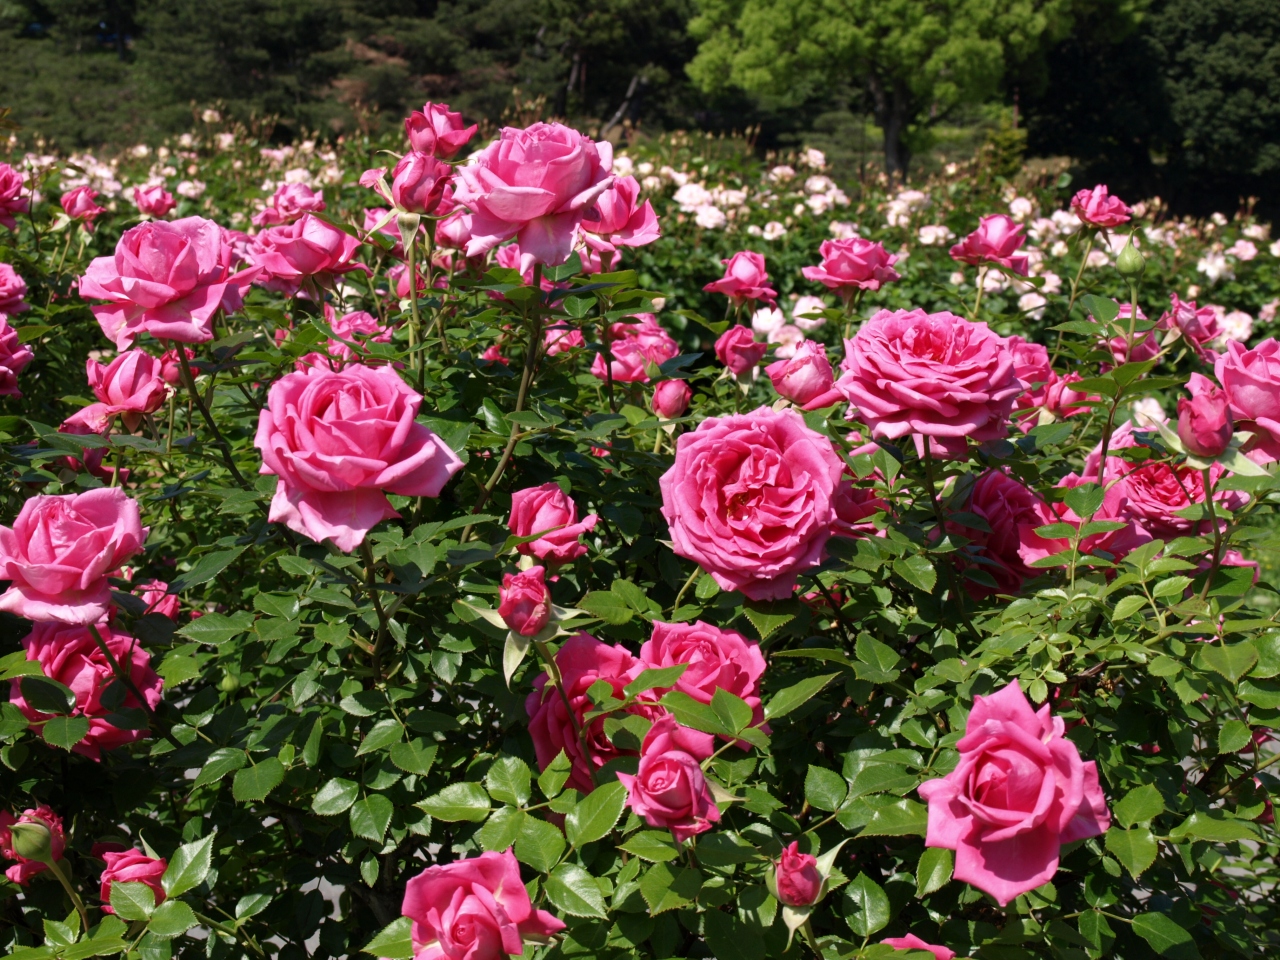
(671, 399)
(1204, 421)
(525, 603)
(797, 878)
(805, 376)
(418, 182)
(738, 350)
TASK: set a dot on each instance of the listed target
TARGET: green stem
(371, 585)
(685, 589)
(56, 869)
(977, 300)
(190, 382)
(415, 322)
(557, 681)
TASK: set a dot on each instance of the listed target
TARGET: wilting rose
(718, 660)
(1098, 209)
(549, 511)
(738, 350)
(13, 290)
(997, 241)
(154, 201)
(671, 399)
(1251, 380)
(131, 866)
(24, 869)
(1204, 421)
(78, 204)
(805, 377)
(1006, 505)
(853, 264)
(912, 942)
(745, 278)
(620, 219)
(14, 357)
(308, 248)
(634, 346)
(418, 182)
(670, 790)
(290, 201)
(11, 199)
(796, 877)
(525, 602)
(340, 441)
(750, 500)
(60, 551)
(132, 385)
(437, 130)
(1018, 794)
(70, 654)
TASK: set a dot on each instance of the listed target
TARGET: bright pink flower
(61, 549)
(11, 199)
(1019, 792)
(14, 357)
(745, 278)
(1144, 347)
(854, 507)
(474, 909)
(340, 441)
(154, 201)
(670, 790)
(155, 594)
(738, 350)
(621, 220)
(132, 385)
(671, 399)
(796, 877)
(167, 279)
(171, 365)
(1199, 325)
(996, 240)
(12, 291)
(437, 130)
(1063, 400)
(418, 182)
(718, 660)
(634, 346)
(525, 602)
(95, 458)
(1116, 543)
(1096, 208)
(493, 353)
(1204, 421)
(71, 655)
(78, 204)
(355, 327)
(1251, 380)
(1006, 505)
(290, 201)
(805, 377)
(912, 942)
(535, 185)
(561, 337)
(750, 500)
(131, 866)
(1031, 365)
(22, 871)
(549, 511)
(307, 248)
(853, 264)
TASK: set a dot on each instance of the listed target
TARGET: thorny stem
(371, 584)
(553, 673)
(190, 382)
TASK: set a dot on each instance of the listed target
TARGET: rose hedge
(394, 588)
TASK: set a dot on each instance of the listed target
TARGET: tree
(915, 60)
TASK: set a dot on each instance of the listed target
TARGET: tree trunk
(892, 111)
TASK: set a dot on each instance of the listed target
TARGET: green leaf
(1084, 500)
(216, 628)
(1232, 661)
(664, 889)
(730, 938)
(458, 801)
(371, 816)
(1140, 805)
(252, 904)
(383, 734)
(934, 870)
(254, 783)
(335, 797)
(790, 698)
(1268, 646)
(172, 919)
(902, 818)
(690, 713)
(188, 867)
(1171, 587)
(575, 891)
(608, 606)
(596, 814)
(655, 678)
(1136, 848)
(1127, 606)
(1102, 309)
(656, 846)
(501, 830)
(1234, 737)
(222, 761)
(132, 901)
(917, 571)
(552, 780)
(732, 710)
(1165, 937)
(47, 696)
(866, 906)
(206, 568)
(539, 845)
(65, 732)
(1207, 826)
(824, 789)
(415, 757)
(769, 617)
(509, 780)
(394, 941)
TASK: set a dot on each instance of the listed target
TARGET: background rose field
(461, 544)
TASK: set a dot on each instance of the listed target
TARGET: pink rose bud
(78, 204)
(437, 130)
(853, 264)
(1096, 208)
(737, 349)
(131, 385)
(671, 399)
(670, 790)
(549, 511)
(131, 866)
(1204, 421)
(418, 181)
(745, 278)
(154, 201)
(291, 200)
(805, 376)
(11, 199)
(171, 366)
(798, 880)
(12, 290)
(623, 221)
(525, 603)
(912, 942)
(25, 868)
(996, 240)
(14, 356)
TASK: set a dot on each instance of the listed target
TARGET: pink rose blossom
(1115, 543)
(171, 365)
(1098, 209)
(12, 291)
(718, 660)
(290, 201)
(525, 604)
(308, 248)
(154, 201)
(738, 350)
(796, 877)
(549, 511)
(95, 458)
(418, 182)
(1199, 325)
(670, 790)
(61, 550)
(745, 278)
(634, 346)
(560, 338)
(339, 442)
(854, 507)
(853, 264)
(78, 204)
(132, 385)
(805, 377)
(671, 399)
(437, 130)
(1251, 380)
(14, 357)
(620, 220)
(1204, 421)
(11, 199)
(1063, 400)
(750, 500)
(155, 594)
(1006, 505)
(1019, 792)
(997, 241)
(23, 870)
(131, 866)
(355, 327)
(912, 942)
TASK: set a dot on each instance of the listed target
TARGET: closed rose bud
(1204, 421)
(805, 376)
(418, 182)
(524, 602)
(671, 399)
(32, 840)
(798, 881)
(738, 350)
(1131, 264)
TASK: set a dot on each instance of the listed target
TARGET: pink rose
(671, 399)
(525, 602)
(805, 377)
(1063, 400)
(418, 182)
(936, 376)
(14, 357)
(1154, 493)
(634, 346)
(11, 199)
(996, 240)
(738, 350)
(474, 909)
(94, 457)
(670, 790)
(560, 338)
(61, 549)
(1006, 505)
(1251, 380)
(23, 870)
(912, 942)
(1031, 366)
(355, 327)
(854, 507)
(750, 500)
(12, 291)
(154, 201)
(718, 660)
(1199, 325)
(1145, 346)
(155, 594)
(1115, 543)
(1019, 792)
(337, 441)
(535, 185)
(167, 279)
(131, 385)
(437, 130)
(1204, 421)
(549, 511)
(1096, 208)
(171, 365)
(853, 264)
(745, 278)
(78, 204)
(620, 220)
(71, 655)
(131, 866)
(307, 248)
(290, 201)
(797, 878)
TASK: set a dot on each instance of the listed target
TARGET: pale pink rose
(167, 279)
(70, 654)
(290, 201)
(340, 441)
(1006, 505)
(671, 399)
(14, 357)
(738, 350)
(634, 346)
(912, 942)
(620, 219)
(1204, 421)
(535, 185)
(1199, 325)
(418, 182)
(853, 264)
(437, 130)
(12, 291)
(11, 199)
(476, 908)
(79, 204)
(549, 511)
(1019, 792)
(745, 278)
(155, 594)
(1116, 543)
(23, 870)
(750, 500)
(132, 385)
(131, 866)
(670, 790)
(718, 660)
(1251, 380)
(61, 550)
(308, 248)
(796, 877)
(997, 241)
(560, 337)
(525, 602)
(935, 376)
(154, 201)
(1098, 209)
(805, 377)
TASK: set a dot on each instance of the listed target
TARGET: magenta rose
(536, 185)
(796, 877)
(1098, 208)
(750, 500)
(357, 327)
(1113, 543)
(340, 441)
(718, 660)
(155, 594)
(70, 654)
(524, 601)
(1019, 792)
(61, 550)
(476, 908)
(1251, 380)
(633, 347)
(853, 264)
(288, 203)
(79, 204)
(14, 357)
(670, 790)
(418, 182)
(1006, 505)
(1063, 400)
(997, 241)
(132, 385)
(13, 290)
(131, 866)
(738, 350)
(437, 130)
(548, 511)
(308, 248)
(671, 399)
(805, 377)
(167, 279)
(154, 201)
(855, 507)
(11, 199)
(620, 219)
(912, 942)
(23, 869)
(935, 376)
(745, 278)
(1204, 421)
